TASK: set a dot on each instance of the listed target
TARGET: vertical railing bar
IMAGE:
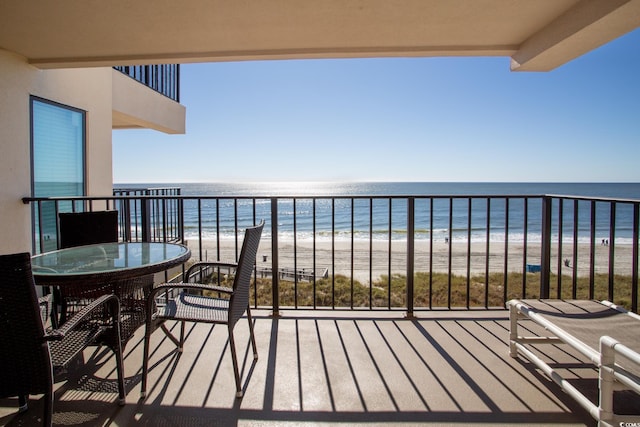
(352, 257)
(165, 217)
(371, 258)
(545, 250)
(172, 207)
(145, 218)
(255, 267)
(151, 213)
(314, 253)
(181, 218)
(217, 202)
(634, 261)
(157, 77)
(176, 220)
(525, 244)
(126, 203)
(137, 212)
(275, 277)
(295, 256)
(450, 245)
(161, 217)
(56, 209)
(560, 234)
(118, 207)
(430, 253)
(156, 215)
(576, 221)
(173, 218)
(169, 212)
(235, 224)
(506, 250)
(333, 252)
(469, 225)
(411, 229)
(171, 82)
(488, 254)
(612, 238)
(180, 202)
(200, 230)
(389, 251)
(177, 80)
(41, 234)
(592, 256)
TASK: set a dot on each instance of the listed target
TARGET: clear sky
(399, 119)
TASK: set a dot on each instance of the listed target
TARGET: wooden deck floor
(325, 368)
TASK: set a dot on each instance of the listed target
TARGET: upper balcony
(164, 79)
(148, 97)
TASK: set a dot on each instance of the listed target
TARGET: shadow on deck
(325, 367)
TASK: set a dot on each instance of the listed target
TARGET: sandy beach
(367, 261)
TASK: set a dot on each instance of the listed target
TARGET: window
(58, 162)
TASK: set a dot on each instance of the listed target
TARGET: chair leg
(48, 409)
(182, 328)
(122, 394)
(252, 335)
(234, 357)
(117, 350)
(145, 361)
(23, 403)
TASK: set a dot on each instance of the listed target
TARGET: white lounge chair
(608, 335)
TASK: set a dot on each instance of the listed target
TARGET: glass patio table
(125, 269)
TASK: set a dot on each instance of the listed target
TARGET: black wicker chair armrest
(181, 285)
(208, 264)
(82, 315)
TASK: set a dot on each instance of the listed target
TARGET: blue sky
(399, 119)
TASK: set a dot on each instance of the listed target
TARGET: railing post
(410, 253)
(145, 219)
(274, 258)
(545, 250)
(181, 218)
(125, 214)
(634, 260)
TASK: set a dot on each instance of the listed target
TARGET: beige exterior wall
(86, 89)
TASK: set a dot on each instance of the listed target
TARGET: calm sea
(382, 218)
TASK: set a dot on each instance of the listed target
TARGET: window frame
(32, 137)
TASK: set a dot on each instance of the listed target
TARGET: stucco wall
(86, 89)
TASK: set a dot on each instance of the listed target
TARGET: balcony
(444, 367)
(164, 78)
(425, 343)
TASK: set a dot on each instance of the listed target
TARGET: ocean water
(372, 215)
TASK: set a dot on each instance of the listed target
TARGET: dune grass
(432, 291)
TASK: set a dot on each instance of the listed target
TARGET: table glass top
(106, 258)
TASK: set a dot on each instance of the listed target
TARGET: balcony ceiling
(538, 35)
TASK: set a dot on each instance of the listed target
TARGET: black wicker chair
(77, 229)
(190, 305)
(29, 355)
(93, 227)
(87, 228)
